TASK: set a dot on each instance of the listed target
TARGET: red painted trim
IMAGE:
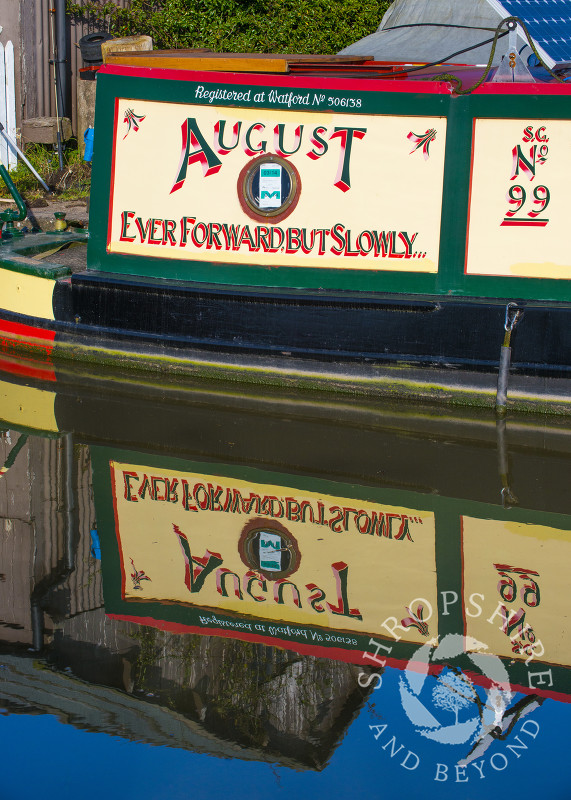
(27, 339)
(525, 88)
(112, 184)
(273, 80)
(29, 331)
(27, 370)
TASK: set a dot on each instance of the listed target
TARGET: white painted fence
(8, 155)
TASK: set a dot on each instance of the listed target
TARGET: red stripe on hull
(27, 330)
(28, 369)
(15, 337)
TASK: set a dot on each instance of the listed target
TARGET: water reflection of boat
(368, 530)
(170, 631)
(274, 246)
(220, 696)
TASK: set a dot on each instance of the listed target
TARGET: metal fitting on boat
(513, 315)
(60, 223)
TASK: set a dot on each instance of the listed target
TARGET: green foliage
(242, 26)
(149, 653)
(71, 183)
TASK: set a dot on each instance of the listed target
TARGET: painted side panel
(518, 213)
(346, 216)
(387, 195)
(165, 522)
(322, 203)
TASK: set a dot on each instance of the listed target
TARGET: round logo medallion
(269, 548)
(269, 188)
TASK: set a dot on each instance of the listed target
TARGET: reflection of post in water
(508, 497)
(454, 691)
(502, 726)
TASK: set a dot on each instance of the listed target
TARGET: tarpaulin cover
(432, 30)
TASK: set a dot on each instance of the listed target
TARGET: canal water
(215, 590)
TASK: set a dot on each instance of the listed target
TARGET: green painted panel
(451, 279)
(110, 87)
(27, 267)
(463, 111)
(449, 558)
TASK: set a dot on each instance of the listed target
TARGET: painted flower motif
(520, 646)
(415, 620)
(133, 121)
(422, 140)
(137, 576)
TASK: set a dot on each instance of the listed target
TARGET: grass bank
(73, 182)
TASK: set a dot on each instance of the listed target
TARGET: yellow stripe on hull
(27, 407)
(26, 294)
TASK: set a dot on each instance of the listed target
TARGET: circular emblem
(269, 188)
(448, 707)
(269, 548)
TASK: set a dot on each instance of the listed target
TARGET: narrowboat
(336, 223)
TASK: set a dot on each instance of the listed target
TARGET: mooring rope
(507, 21)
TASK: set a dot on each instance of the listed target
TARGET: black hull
(319, 325)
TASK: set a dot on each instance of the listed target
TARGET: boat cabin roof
(334, 66)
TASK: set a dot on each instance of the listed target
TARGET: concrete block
(44, 130)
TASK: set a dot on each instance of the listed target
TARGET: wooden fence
(8, 155)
